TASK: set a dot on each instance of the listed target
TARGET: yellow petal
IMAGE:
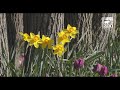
(59, 34)
(43, 37)
(26, 35)
(59, 39)
(36, 45)
(54, 47)
(72, 35)
(30, 44)
(32, 35)
(60, 54)
(48, 39)
(75, 32)
(62, 33)
(28, 40)
(68, 26)
(74, 28)
(38, 36)
(40, 42)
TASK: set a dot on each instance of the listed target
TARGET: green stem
(29, 60)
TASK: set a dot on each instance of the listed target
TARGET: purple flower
(21, 59)
(114, 75)
(97, 68)
(78, 63)
(103, 71)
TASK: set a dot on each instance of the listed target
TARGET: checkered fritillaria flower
(103, 71)
(78, 63)
(97, 68)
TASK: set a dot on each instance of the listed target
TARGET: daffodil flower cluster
(64, 36)
(35, 40)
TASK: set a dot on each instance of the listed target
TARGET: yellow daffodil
(26, 37)
(35, 40)
(46, 41)
(63, 37)
(71, 31)
(58, 49)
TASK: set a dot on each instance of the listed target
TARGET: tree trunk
(4, 50)
(85, 28)
(56, 24)
(101, 35)
(14, 26)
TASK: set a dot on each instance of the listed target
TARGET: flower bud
(78, 63)
(97, 68)
(21, 59)
(103, 71)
